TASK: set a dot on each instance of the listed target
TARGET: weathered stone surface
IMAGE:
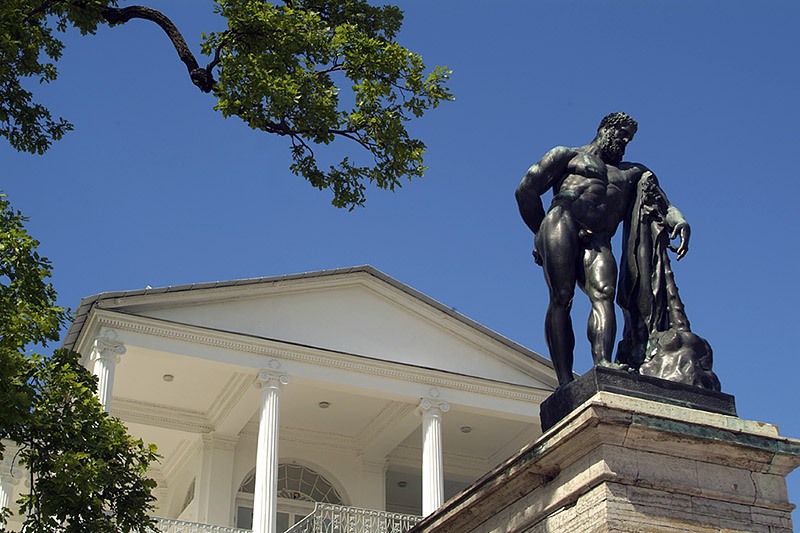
(725, 482)
(642, 407)
(776, 520)
(662, 504)
(691, 446)
(769, 488)
(624, 465)
(662, 471)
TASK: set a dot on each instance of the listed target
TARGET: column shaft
(432, 463)
(10, 475)
(265, 501)
(6, 492)
(104, 368)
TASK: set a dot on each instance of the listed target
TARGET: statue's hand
(683, 231)
(537, 257)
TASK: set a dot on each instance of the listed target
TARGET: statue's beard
(613, 150)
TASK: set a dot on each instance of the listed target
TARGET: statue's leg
(557, 242)
(600, 270)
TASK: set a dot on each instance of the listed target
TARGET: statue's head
(614, 133)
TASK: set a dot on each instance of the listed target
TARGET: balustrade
(329, 518)
(326, 518)
(168, 525)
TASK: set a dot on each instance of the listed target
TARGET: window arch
(298, 482)
(298, 488)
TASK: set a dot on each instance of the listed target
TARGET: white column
(432, 467)
(10, 475)
(106, 352)
(214, 487)
(372, 478)
(7, 484)
(265, 500)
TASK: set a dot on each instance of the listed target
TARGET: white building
(341, 386)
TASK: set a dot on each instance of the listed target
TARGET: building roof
(90, 302)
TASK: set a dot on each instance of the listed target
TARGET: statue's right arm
(539, 178)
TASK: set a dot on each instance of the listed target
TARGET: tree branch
(354, 136)
(40, 10)
(214, 62)
(201, 77)
(334, 67)
(296, 138)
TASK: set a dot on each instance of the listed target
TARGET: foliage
(310, 70)
(27, 303)
(87, 474)
(28, 314)
(28, 49)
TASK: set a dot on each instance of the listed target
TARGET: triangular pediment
(358, 311)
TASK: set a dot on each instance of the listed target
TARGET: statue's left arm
(676, 223)
(542, 176)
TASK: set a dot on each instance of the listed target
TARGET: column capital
(219, 441)
(374, 465)
(271, 379)
(106, 352)
(432, 407)
(107, 346)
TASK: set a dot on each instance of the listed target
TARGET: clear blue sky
(155, 188)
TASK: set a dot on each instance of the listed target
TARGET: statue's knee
(562, 297)
(603, 293)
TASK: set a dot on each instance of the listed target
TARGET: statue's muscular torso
(596, 193)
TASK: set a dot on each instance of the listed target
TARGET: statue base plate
(569, 397)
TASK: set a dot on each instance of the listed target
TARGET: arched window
(298, 488)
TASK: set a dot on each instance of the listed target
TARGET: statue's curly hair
(618, 119)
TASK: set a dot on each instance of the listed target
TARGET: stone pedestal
(624, 464)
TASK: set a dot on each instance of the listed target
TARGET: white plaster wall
(177, 490)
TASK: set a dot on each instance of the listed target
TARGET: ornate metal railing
(168, 525)
(329, 518)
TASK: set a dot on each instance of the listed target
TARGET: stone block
(725, 482)
(666, 472)
(770, 490)
(658, 502)
(721, 510)
(780, 520)
(670, 441)
(587, 514)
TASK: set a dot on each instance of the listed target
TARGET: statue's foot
(616, 366)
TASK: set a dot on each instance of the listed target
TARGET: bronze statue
(593, 191)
